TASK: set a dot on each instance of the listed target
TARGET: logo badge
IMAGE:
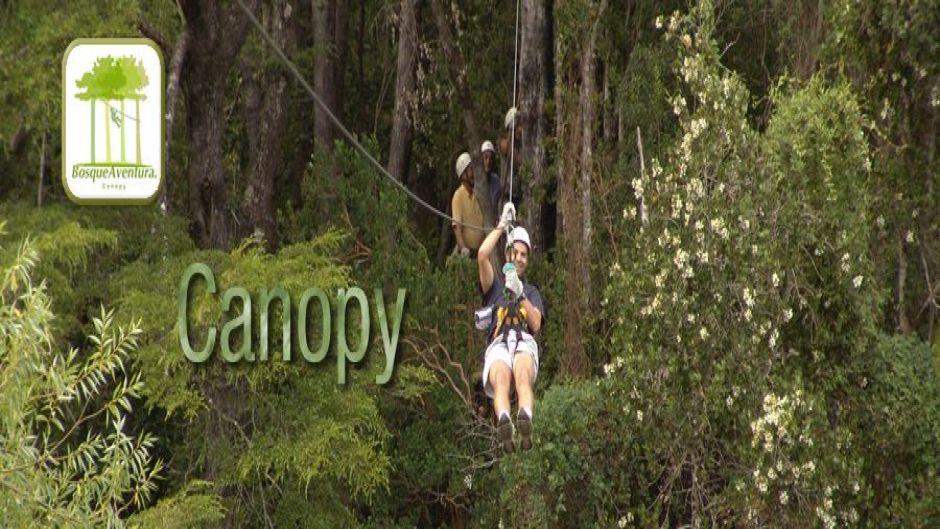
(112, 121)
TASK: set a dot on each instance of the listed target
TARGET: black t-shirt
(494, 296)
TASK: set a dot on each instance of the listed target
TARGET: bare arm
(487, 273)
(533, 318)
(458, 233)
(458, 220)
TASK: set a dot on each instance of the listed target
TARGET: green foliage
(898, 419)
(579, 471)
(285, 425)
(193, 506)
(750, 373)
(68, 458)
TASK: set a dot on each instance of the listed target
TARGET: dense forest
(734, 210)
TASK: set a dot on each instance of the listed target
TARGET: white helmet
(518, 234)
(463, 161)
(510, 118)
(487, 146)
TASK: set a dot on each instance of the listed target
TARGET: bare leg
(500, 378)
(523, 370)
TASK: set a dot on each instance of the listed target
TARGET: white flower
(703, 332)
(678, 104)
(787, 314)
(638, 188)
(729, 401)
(622, 522)
(686, 41)
(468, 481)
(748, 299)
(880, 221)
(855, 488)
(857, 281)
(775, 279)
(784, 497)
(909, 237)
(659, 25)
(639, 415)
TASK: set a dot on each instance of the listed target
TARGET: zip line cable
(515, 77)
(342, 128)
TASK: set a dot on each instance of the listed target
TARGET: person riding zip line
(511, 359)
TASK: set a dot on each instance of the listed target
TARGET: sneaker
(504, 433)
(525, 429)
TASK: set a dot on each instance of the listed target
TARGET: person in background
(513, 129)
(466, 210)
(488, 152)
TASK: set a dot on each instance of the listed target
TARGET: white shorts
(498, 351)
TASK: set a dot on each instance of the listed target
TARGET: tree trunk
(94, 107)
(809, 37)
(341, 40)
(265, 98)
(468, 109)
(217, 35)
(123, 131)
(42, 170)
(588, 98)
(324, 70)
(399, 152)
(535, 50)
(575, 99)
(172, 91)
(137, 129)
(107, 130)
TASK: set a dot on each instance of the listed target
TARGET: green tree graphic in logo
(114, 80)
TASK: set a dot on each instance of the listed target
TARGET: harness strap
(508, 319)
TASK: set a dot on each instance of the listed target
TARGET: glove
(465, 252)
(513, 283)
(509, 215)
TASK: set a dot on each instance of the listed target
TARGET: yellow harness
(512, 322)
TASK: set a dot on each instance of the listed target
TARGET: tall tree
(535, 48)
(468, 109)
(217, 33)
(399, 152)
(575, 100)
(330, 38)
(265, 97)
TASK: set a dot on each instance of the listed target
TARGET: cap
(487, 146)
(463, 161)
(510, 117)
